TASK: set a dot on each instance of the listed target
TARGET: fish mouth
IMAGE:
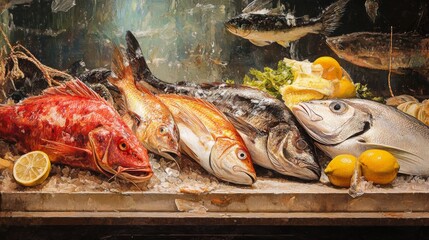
(310, 172)
(170, 154)
(302, 107)
(252, 176)
(136, 175)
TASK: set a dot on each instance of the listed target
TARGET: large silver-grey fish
(354, 125)
(372, 50)
(263, 27)
(269, 130)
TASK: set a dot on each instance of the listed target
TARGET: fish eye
(123, 146)
(163, 130)
(301, 144)
(241, 155)
(338, 107)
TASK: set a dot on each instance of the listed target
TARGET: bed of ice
(186, 176)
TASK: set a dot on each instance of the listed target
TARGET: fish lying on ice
(210, 139)
(155, 126)
(372, 50)
(269, 129)
(354, 125)
(262, 28)
(76, 127)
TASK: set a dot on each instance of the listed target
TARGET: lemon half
(32, 168)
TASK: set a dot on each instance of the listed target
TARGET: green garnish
(364, 92)
(270, 80)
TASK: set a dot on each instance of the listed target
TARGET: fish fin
(142, 73)
(283, 43)
(260, 43)
(122, 73)
(183, 115)
(63, 149)
(256, 5)
(189, 152)
(331, 17)
(409, 163)
(212, 107)
(243, 126)
(70, 88)
(130, 121)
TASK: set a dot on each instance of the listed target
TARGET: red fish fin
(63, 149)
(122, 73)
(70, 88)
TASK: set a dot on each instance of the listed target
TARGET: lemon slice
(32, 168)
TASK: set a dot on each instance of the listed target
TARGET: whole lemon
(340, 170)
(379, 166)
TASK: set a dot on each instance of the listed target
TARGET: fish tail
(122, 75)
(143, 74)
(332, 15)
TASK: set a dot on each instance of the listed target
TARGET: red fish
(76, 127)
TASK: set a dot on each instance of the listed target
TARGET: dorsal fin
(212, 107)
(75, 88)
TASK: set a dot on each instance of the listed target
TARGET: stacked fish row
(77, 127)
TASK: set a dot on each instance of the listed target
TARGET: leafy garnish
(270, 80)
(364, 92)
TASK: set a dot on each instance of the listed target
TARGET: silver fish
(269, 130)
(263, 28)
(354, 125)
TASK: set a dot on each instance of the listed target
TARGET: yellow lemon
(32, 168)
(331, 68)
(379, 166)
(340, 170)
(344, 88)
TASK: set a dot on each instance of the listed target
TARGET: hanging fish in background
(76, 127)
(263, 27)
(354, 125)
(210, 139)
(371, 7)
(372, 50)
(270, 131)
(154, 125)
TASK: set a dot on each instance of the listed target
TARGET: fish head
(119, 153)
(230, 160)
(291, 152)
(356, 49)
(331, 122)
(240, 26)
(162, 137)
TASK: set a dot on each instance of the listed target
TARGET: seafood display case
(214, 113)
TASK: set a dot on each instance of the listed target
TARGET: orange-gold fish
(210, 139)
(154, 125)
(76, 127)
